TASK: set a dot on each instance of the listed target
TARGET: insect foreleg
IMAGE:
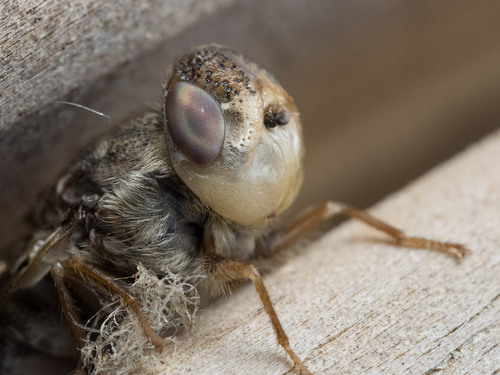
(311, 218)
(225, 270)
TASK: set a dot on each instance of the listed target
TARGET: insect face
(221, 142)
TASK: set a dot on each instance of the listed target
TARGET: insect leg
(75, 216)
(107, 283)
(69, 309)
(311, 218)
(225, 270)
(25, 273)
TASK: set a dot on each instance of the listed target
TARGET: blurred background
(386, 89)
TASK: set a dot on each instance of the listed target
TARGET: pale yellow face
(234, 135)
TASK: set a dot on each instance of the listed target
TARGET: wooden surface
(353, 304)
(49, 47)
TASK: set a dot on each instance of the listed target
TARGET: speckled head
(234, 135)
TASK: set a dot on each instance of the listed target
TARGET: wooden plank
(353, 303)
(49, 48)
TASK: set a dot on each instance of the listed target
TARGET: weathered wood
(48, 48)
(354, 304)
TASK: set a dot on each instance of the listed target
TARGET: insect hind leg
(69, 309)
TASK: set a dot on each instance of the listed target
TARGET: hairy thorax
(145, 211)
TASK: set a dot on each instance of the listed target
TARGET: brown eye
(195, 122)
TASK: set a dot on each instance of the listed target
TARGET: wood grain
(49, 48)
(354, 304)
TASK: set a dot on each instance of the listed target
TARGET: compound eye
(195, 122)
